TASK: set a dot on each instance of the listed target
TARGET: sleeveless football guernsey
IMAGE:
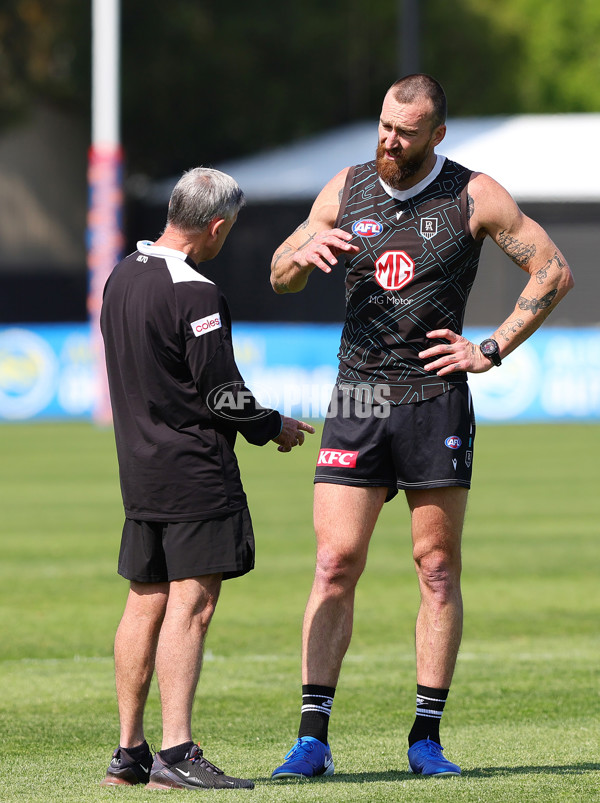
(413, 273)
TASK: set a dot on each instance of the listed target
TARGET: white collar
(404, 195)
(147, 247)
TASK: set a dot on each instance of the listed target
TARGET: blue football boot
(425, 758)
(308, 758)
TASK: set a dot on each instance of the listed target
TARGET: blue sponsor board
(48, 372)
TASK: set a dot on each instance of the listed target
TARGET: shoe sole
(298, 775)
(434, 774)
(114, 780)
(167, 783)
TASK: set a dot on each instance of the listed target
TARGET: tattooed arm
(314, 244)
(493, 213)
(529, 246)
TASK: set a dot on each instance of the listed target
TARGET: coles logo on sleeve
(335, 457)
(204, 325)
(367, 228)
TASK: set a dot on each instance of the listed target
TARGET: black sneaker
(124, 771)
(194, 772)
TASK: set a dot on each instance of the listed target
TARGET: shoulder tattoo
(470, 206)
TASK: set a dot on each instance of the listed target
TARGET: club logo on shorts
(204, 325)
(335, 457)
(394, 270)
(367, 228)
(468, 459)
(453, 442)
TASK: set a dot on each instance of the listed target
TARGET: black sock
(430, 705)
(173, 755)
(316, 709)
(139, 752)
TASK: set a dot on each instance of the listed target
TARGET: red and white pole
(105, 179)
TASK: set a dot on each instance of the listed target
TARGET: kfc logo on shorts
(367, 228)
(453, 442)
(394, 270)
(204, 325)
(335, 457)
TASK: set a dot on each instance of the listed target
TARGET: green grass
(523, 714)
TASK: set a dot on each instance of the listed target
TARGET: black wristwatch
(489, 348)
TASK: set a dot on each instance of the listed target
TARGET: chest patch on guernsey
(204, 325)
(394, 270)
(367, 228)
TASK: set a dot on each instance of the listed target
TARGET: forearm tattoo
(286, 249)
(519, 252)
(542, 274)
(536, 304)
(511, 326)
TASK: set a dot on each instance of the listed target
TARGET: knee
(337, 572)
(439, 573)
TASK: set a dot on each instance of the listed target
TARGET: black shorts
(157, 552)
(428, 444)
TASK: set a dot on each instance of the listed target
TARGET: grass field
(523, 715)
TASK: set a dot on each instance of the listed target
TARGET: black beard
(396, 173)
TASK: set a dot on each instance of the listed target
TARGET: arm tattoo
(518, 252)
(303, 225)
(286, 249)
(511, 326)
(536, 304)
(542, 274)
(470, 207)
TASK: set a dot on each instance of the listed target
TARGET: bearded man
(409, 225)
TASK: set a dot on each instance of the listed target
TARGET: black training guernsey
(413, 274)
(167, 336)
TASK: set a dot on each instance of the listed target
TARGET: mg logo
(394, 269)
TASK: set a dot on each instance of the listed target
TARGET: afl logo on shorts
(367, 228)
(453, 442)
(335, 457)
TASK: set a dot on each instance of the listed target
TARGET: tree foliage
(206, 81)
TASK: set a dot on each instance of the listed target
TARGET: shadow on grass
(389, 776)
(550, 769)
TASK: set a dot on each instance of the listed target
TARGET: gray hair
(201, 195)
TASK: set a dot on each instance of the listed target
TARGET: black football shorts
(157, 552)
(427, 444)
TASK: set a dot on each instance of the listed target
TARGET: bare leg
(344, 520)
(180, 648)
(135, 651)
(437, 522)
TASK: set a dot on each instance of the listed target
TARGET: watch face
(489, 347)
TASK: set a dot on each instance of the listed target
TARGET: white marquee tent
(551, 158)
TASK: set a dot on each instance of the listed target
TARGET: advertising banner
(48, 372)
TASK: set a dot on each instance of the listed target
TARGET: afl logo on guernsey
(367, 228)
(394, 270)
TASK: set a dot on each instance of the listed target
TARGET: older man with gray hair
(178, 402)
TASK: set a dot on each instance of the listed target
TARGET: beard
(396, 172)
